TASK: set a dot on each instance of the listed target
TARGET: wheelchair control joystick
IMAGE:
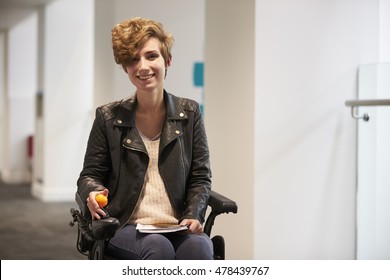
(105, 227)
(102, 201)
(106, 216)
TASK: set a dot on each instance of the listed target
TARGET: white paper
(160, 228)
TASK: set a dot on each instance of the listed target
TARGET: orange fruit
(101, 199)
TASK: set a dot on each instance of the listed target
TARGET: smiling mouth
(145, 77)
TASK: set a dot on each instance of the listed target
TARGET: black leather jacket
(116, 158)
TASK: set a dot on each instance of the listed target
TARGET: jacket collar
(171, 130)
(173, 107)
(126, 113)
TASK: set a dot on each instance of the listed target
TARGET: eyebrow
(152, 51)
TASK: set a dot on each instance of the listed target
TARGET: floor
(34, 230)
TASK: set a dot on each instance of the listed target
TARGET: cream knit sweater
(153, 205)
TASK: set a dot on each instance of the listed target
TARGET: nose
(143, 66)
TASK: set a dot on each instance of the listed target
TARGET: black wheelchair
(94, 235)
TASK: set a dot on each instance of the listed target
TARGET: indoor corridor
(34, 230)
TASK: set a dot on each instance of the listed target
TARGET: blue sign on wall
(198, 79)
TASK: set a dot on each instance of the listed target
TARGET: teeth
(145, 77)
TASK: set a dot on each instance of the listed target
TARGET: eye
(153, 56)
(134, 60)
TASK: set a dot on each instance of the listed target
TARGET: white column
(20, 81)
(104, 65)
(3, 79)
(230, 116)
(373, 231)
(67, 96)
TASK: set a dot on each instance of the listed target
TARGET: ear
(169, 62)
(124, 68)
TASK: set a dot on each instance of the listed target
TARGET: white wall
(384, 30)
(302, 192)
(21, 88)
(307, 56)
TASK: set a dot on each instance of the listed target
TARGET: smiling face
(147, 70)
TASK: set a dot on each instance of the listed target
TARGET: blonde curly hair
(129, 35)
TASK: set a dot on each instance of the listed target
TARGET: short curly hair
(129, 35)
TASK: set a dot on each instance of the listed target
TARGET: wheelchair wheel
(97, 252)
(219, 247)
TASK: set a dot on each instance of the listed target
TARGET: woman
(149, 154)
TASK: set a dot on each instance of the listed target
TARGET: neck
(150, 102)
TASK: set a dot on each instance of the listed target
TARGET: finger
(95, 210)
(93, 204)
(101, 212)
(96, 216)
(92, 208)
(194, 227)
(197, 229)
(98, 213)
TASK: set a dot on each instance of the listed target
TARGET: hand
(194, 226)
(94, 209)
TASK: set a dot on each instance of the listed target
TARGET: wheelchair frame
(93, 235)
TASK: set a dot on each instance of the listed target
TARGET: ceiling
(13, 11)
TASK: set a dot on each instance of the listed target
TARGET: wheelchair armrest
(104, 228)
(221, 204)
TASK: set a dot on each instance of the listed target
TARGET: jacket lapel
(172, 128)
(126, 119)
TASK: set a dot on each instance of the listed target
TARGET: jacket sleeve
(199, 180)
(97, 162)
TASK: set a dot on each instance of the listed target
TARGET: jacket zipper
(142, 188)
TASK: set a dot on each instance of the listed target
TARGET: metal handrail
(367, 102)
